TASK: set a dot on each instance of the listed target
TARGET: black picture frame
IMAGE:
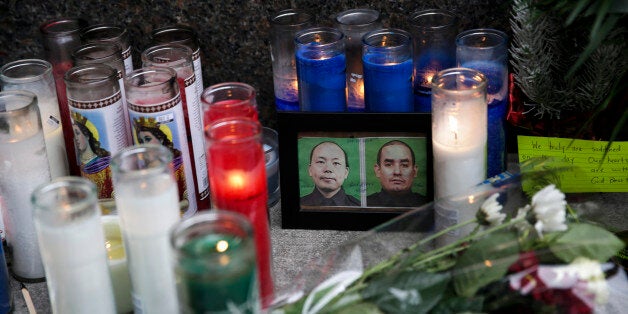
(296, 126)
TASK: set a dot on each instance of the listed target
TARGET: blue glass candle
(486, 50)
(433, 37)
(387, 60)
(320, 58)
(5, 289)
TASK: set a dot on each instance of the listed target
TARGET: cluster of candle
(157, 138)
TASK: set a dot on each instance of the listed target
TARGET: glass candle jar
(486, 50)
(60, 38)
(179, 58)
(118, 264)
(283, 27)
(354, 24)
(271, 155)
(231, 99)
(5, 288)
(67, 220)
(110, 34)
(148, 206)
(320, 57)
(98, 121)
(156, 112)
(35, 75)
(433, 38)
(23, 167)
(237, 174)
(387, 60)
(215, 263)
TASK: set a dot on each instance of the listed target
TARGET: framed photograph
(353, 171)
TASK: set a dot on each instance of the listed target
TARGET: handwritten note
(590, 170)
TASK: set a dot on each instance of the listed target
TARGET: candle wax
(286, 93)
(387, 87)
(321, 82)
(217, 273)
(118, 269)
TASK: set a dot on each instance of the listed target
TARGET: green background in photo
(372, 145)
(350, 145)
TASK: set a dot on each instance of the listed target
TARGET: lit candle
(70, 234)
(237, 176)
(148, 204)
(387, 59)
(231, 99)
(118, 269)
(215, 254)
(320, 57)
(458, 140)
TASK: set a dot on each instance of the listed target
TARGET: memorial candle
(67, 219)
(231, 99)
(320, 57)
(111, 34)
(271, 152)
(118, 266)
(238, 183)
(387, 59)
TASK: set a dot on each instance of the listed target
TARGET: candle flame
(236, 180)
(317, 38)
(471, 199)
(488, 263)
(222, 246)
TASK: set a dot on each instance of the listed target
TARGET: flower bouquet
(518, 251)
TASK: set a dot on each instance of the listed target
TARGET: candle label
(128, 60)
(584, 165)
(198, 71)
(99, 133)
(163, 123)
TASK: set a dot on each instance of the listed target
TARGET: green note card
(589, 170)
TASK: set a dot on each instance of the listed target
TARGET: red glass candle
(237, 174)
(230, 99)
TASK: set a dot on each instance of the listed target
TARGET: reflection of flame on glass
(294, 85)
(318, 38)
(384, 41)
(361, 88)
(222, 246)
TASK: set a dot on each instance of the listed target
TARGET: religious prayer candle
(157, 117)
(118, 265)
(215, 263)
(433, 36)
(486, 50)
(98, 120)
(23, 167)
(110, 34)
(320, 58)
(458, 140)
(237, 176)
(179, 57)
(354, 24)
(148, 206)
(387, 59)
(271, 154)
(226, 100)
(71, 240)
(35, 75)
(283, 27)
(60, 38)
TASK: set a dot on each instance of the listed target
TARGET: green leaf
(453, 304)
(361, 308)
(485, 261)
(586, 240)
(407, 292)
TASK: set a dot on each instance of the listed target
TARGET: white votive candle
(147, 201)
(67, 220)
(117, 261)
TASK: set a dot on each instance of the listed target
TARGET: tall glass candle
(433, 38)
(148, 204)
(215, 263)
(458, 140)
(486, 50)
(35, 75)
(179, 58)
(110, 34)
(118, 264)
(111, 55)
(387, 59)
(71, 240)
(98, 120)
(60, 38)
(283, 27)
(354, 24)
(231, 99)
(320, 57)
(184, 35)
(156, 112)
(238, 183)
(271, 155)
(23, 167)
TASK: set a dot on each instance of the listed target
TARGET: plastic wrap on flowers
(494, 249)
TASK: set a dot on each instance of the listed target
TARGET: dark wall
(233, 34)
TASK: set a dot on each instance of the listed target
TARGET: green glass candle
(216, 268)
